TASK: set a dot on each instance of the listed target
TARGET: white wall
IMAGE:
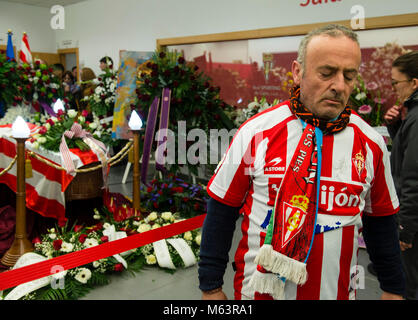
(34, 20)
(103, 27)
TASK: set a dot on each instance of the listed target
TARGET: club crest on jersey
(358, 162)
(294, 215)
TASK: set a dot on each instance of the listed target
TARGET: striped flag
(25, 55)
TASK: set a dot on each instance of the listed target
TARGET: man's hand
(404, 246)
(390, 296)
(219, 295)
(393, 114)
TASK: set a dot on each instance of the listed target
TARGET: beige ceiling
(45, 3)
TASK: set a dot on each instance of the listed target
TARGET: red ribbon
(12, 278)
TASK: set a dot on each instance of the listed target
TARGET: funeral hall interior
(114, 116)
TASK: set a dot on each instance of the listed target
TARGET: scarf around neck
(290, 232)
(327, 127)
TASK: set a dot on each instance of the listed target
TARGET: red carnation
(42, 130)
(77, 228)
(118, 267)
(82, 238)
(104, 239)
(57, 244)
(50, 121)
(36, 240)
(62, 223)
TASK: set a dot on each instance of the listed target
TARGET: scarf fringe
(268, 283)
(282, 265)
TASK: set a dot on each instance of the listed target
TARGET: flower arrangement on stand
(193, 97)
(173, 194)
(52, 129)
(39, 85)
(102, 101)
(9, 82)
(367, 101)
(254, 107)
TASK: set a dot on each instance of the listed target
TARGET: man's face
(103, 66)
(331, 68)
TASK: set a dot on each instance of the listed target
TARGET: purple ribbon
(165, 111)
(149, 137)
(48, 108)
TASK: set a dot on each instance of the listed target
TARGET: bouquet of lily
(367, 101)
(50, 133)
(102, 101)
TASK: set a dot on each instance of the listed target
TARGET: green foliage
(193, 97)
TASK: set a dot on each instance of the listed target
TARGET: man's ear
(297, 72)
(415, 82)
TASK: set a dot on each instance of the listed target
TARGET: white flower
(151, 259)
(96, 264)
(47, 126)
(83, 275)
(198, 239)
(144, 227)
(152, 216)
(42, 140)
(188, 236)
(90, 242)
(97, 133)
(72, 113)
(361, 96)
(106, 225)
(155, 226)
(35, 145)
(66, 247)
(81, 119)
(93, 125)
(166, 215)
(52, 236)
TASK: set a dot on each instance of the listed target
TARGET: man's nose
(338, 84)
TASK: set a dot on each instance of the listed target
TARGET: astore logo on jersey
(273, 166)
(338, 197)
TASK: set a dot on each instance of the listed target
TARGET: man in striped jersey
(356, 190)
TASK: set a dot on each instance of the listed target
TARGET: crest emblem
(294, 217)
(358, 162)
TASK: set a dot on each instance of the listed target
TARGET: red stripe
(243, 246)
(312, 288)
(44, 206)
(380, 195)
(8, 148)
(72, 260)
(347, 246)
(327, 147)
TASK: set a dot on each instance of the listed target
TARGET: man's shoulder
(270, 116)
(365, 129)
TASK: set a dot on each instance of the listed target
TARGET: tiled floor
(155, 284)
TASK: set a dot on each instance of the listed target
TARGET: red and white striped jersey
(355, 178)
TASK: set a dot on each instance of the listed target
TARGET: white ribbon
(113, 235)
(184, 251)
(180, 245)
(25, 288)
(163, 255)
